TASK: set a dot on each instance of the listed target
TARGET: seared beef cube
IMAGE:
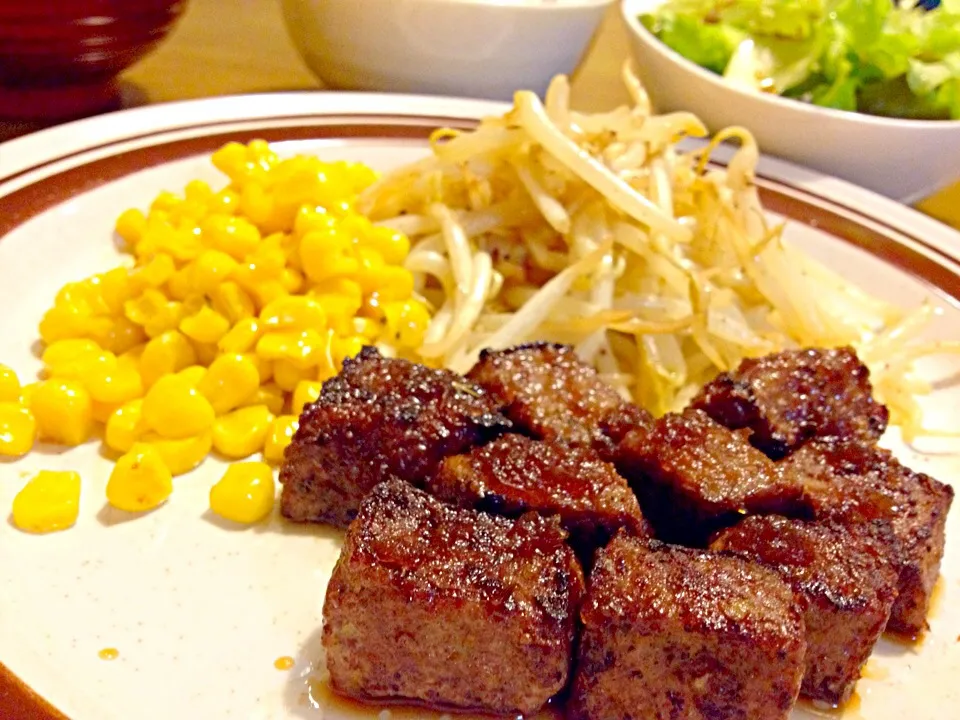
(378, 418)
(450, 607)
(792, 396)
(674, 633)
(550, 394)
(856, 484)
(845, 585)
(694, 476)
(515, 474)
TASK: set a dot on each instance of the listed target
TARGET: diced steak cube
(379, 418)
(789, 397)
(855, 484)
(844, 582)
(694, 476)
(450, 607)
(550, 394)
(515, 474)
(674, 633)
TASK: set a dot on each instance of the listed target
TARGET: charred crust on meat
(788, 398)
(451, 607)
(844, 582)
(380, 417)
(550, 394)
(694, 476)
(866, 488)
(515, 474)
(668, 629)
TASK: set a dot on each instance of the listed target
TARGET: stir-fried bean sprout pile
(600, 230)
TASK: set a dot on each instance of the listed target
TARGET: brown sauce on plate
(321, 696)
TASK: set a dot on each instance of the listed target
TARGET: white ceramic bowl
(471, 48)
(903, 159)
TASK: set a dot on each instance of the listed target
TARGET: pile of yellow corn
(239, 305)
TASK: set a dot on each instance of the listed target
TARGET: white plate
(200, 613)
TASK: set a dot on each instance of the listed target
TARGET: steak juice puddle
(322, 698)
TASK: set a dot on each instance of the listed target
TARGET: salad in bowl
(868, 56)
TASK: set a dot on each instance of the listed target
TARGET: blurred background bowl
(60, 58)
(902, 159)
(476, 48)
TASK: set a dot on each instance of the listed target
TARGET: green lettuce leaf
(858, 55)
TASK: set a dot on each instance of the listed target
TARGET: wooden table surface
(223, 47)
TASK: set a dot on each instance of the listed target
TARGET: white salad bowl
(902, 159)
(471, 48)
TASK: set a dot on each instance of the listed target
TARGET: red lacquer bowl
(60, 58)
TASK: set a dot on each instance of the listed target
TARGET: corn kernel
(392, 245)
(309, 219)
(115, 289)
(338, 286)
(193, 375)
(130, 226)
(175, 409)
(60, 364)
(271, 395)
(113, 383)
(165, 201)
(291, 280)
(210, 270)
(181, 243)
(229, 382)
(231, 160)
(63, 410)
(155, 273)
(139, 481)
(206, 352)
(407, 322)
(9, 385)
(258, 205)
(340, 309)
(245, 493)
(347, 347)
(64, 322)
(103, 411)
(165, 354)
(131, 358)
(180, 286)
(326, 254)
(392, 283)
(18, 429)
(306, 392)
(154, 312)
(242, 432)
(125, 427)
(366, 328)
(242, 337)
(266, 292)
(281, 434)
(182, 455)
(26, 393)
(59, 358)
(286, 375)
(122, 335)
(232, 301)
(302, 349)
(225, 202)
(293, 313)
(236, 236)
(49, 501)
(264, 367)
(198, 191)
(205, 326)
